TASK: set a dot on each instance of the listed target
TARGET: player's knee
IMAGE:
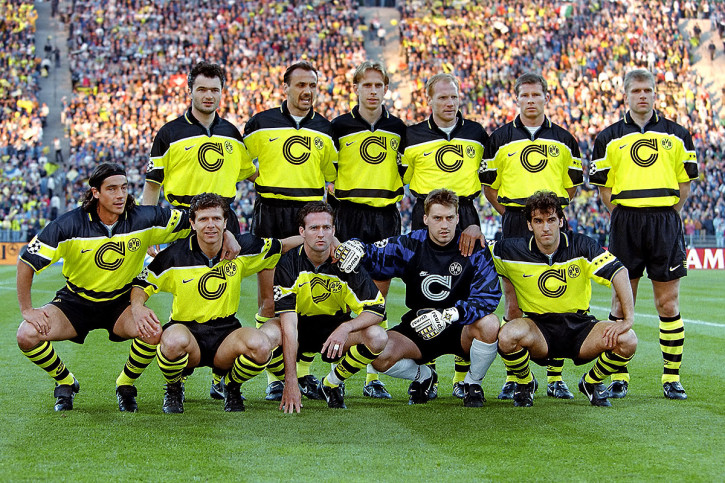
(627, 343)
(667, 306)
(488, 328)
(383, 362)
(174, 343)
(27, 336)
(259, 347)
(376, 338)
(508, 337)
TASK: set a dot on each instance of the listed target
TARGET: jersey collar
(563, 243)
(285, 111)
(652, 120)
(434, 127)
(196, 249)
(193, 120)
(355, 113)
(520, 125)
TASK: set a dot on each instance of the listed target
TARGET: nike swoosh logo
(350, 144)
(512, 154)
(527, 276)
(87, 250)
(187, 281)
(427, 154)
(623, 146)
(672, 269)
(273, 139)
(186, 148)
(303, 284)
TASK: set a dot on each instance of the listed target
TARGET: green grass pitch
(643, 437)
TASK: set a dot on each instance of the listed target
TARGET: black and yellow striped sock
(259, 320)
(356, 357)
(171, 369)
(216, 375)
(622, 373)
(43, 355)
(304, 363)
(554, 370)
(140, 356)
(606, 364)
(518, 364)
(510, 377)
(244, 369)
(672, 341)
(275, 368)
(461, 367)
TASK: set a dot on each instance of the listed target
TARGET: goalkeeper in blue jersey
(451, 299)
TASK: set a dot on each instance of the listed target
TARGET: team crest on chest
(134, 244)
(553, 151)
(573, 271)
(229, 147)
(455, 268)
(230, 269)
(394, 144)
(470, 151)
(666, 143)
(318, 143)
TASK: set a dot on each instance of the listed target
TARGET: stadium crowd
(126, 57)
(25, 201)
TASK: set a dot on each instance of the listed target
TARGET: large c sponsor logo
(110, 256)
(434, 293)
(321, 288)
(642, 152)
(373, 156)
(529, 159)
(210, 286)
(209, 156)
(552, 283)
(447, 166)
(287, 150)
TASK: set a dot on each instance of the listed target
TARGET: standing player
(295, 152)
(368, 186)
(450, 297)
(445, 151)
(529, 154)
(197, 152)
(315, 301)
(203, 329)
(551, 273)
(643, 165)
(103, 245)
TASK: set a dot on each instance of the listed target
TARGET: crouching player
(315, 301)
(203, 329)
(551, 273)
(103, 244)
(451, 299)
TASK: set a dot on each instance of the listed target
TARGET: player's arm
(605, 194)
(38, 318)
(334, 346)
(468, 239)
(623, 290)
(151, 193)
(291, 397)
(571, 192)
(485, 293)
(684, 194)
(291, 242)
(230, 246)
(491, 195)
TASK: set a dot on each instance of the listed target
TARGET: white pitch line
(650, 316)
